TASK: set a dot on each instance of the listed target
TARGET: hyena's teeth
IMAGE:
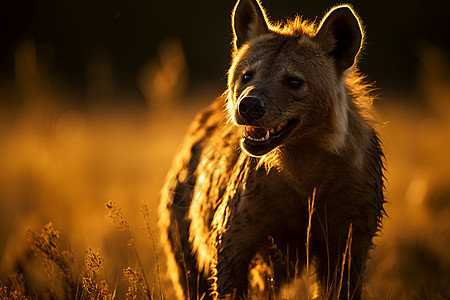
(246, 133)
(249, 133)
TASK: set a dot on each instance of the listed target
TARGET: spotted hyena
(295, 120)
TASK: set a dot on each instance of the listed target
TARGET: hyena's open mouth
(258, 141)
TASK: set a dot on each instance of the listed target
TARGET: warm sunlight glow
(60, 164)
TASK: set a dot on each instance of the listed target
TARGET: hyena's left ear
(340, 35)
(249, 21)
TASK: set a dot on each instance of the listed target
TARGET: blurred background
(95, 97)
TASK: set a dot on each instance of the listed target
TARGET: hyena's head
(286, 82)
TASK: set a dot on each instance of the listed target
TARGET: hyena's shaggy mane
(295, 27)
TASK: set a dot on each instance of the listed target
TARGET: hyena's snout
(253, 107)
(263, 128)
(250, 108)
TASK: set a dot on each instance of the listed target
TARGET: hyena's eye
(294, 83)
(246, 77)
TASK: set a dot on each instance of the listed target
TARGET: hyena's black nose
(251, 108)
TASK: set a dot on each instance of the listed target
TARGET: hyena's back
(200, 170)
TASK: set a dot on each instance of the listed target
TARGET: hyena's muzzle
(256, 112)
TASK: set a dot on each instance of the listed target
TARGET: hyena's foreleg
(237, 248)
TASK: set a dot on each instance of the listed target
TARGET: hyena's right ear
(249, 21)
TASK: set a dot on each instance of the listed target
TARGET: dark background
(70, 35)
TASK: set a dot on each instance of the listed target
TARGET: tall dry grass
(59, 166)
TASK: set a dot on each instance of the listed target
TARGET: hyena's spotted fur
(294, 90)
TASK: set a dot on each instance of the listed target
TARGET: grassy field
(79, 190)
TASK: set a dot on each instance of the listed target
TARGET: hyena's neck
(310, 162)
(303, 165)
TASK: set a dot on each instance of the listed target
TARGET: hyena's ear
(249, 21)
(340, 35)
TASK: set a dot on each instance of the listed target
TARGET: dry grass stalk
(94, 288)
(46, 246)
(115, 215)
(16, 290)
(138, 287)
(308, 239)
(145, 212)
(346, 257)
